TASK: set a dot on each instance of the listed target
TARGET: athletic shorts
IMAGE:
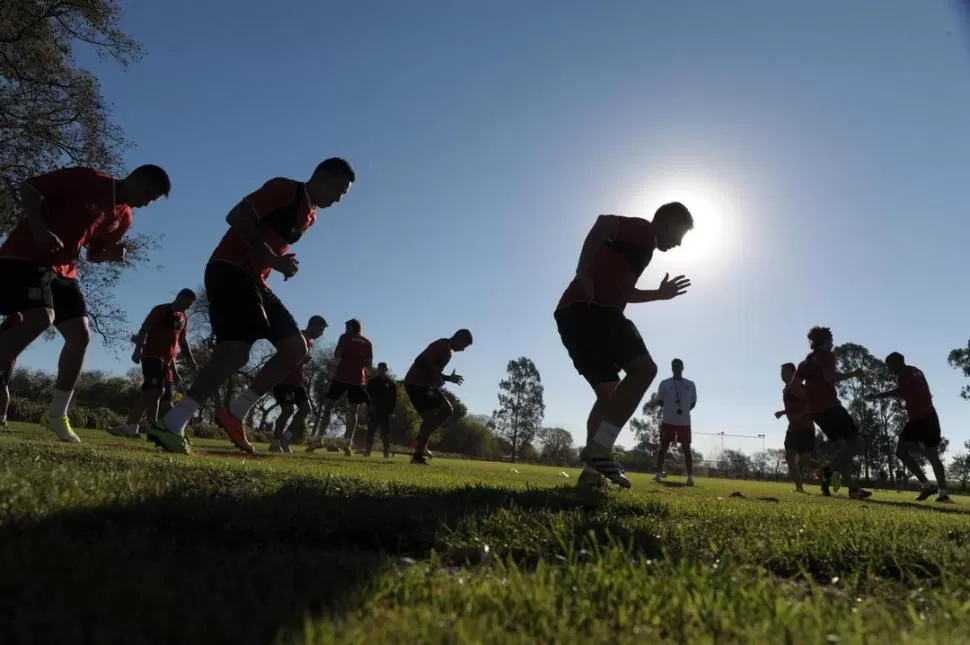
(243, 310)
(27, 285)
(800, 441)
(157, 375)
(5, 376)
(287, 394)
(925, 430)
(672, 433)
(356, 394)
(426, 399)
(836, 423)
(601, 341)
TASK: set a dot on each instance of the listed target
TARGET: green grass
(114, 542)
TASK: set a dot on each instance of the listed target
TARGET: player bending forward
(600, 340)
(922, 430)
(292, 396)
(800, 436)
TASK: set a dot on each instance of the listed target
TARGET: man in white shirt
(677, 396)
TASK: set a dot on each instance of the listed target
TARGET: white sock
(944, 492)
(60, 401)
(606, 436)
(177, 418)
(240, 405)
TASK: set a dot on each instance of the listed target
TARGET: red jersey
(822, 395)
(915, 391)
(166, 329)
(356, 353)
(616, 265)
(430, 364)
(9, 323)
(80, 207)
(796, 409)
(284, 214)
(296, 375)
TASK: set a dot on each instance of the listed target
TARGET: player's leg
(287, 409)
(71, 321)
(25, 289)
(435, 410)
(356, 396)
(297, 432)
(852, 444)
(684, 436)
(164, 403)
(153, 376)
(667, 436)
(371, 431)
(384, 422)
(4, 396)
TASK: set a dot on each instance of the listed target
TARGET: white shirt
(677, 395)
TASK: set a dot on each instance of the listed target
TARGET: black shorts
(800, 441)
(925, 431)
(601, 341)
(243, 310)
(27, 285)
(287, 394)
(356, 394)
(836, 423)
(426, 399)
(5, 377)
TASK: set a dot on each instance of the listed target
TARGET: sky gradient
(822, 146)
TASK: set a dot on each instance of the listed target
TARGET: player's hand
(457, 379)
(779, 415)
(589, 289)
(287, 264)
(672, 287)
(47, 240)
(136, 356)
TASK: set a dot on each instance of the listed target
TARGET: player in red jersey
(800, 437)
(65, 211)
(292, 396)
(8, 323)
(423, 384)
(600, 340)
(242, 308)
(157, 345)
(921, 434)
(355, 355)
(819, 375)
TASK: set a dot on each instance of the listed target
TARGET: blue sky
(823, 146)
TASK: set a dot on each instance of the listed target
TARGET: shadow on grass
(930, 506)
(216, 567)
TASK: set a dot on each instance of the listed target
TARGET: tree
(960, 359)
(521, 406)
(557, 446)
(735, 462)
(52, 114)
(959, 469)
(647, 428)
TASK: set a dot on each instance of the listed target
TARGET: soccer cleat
(419, 460)
(590, 481)
(168, 441)
(858, 493)
(285, 442)
(123, 431)
(605, 465)
(944, 499)
(927, 492)
(275, 446)
(235, 429)
(836, 481)
(62, 428)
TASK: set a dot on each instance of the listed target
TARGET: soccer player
(291, 394)
(383, 397)
(819, 375)
(600, 340)
(922, 429)
(355, 355)
(800, 436)
(64, 211)
(242, 308)
(157, 345)
(423, 384)
(8, 323)
(677, 396)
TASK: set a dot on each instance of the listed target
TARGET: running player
(423, 384)
(819, 375)
(922, 430)
(8, 323)
(157, 346)
(600, 340)
(383, 396)
(800, 436)
(242, 308)
(677, 396)
(291, 395)
(355, 355)
(64, 211)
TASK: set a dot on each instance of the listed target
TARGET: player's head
(354, 326)
(787, 372)
(382, 369)
(460, 340)
(670, 223)
(895, 362)
(330, 181)
(143, 185)
(184, 300)
(315, 327)
(677, 367)
(820, 338)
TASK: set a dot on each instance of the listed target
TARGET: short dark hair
(464, 334)
(674, 213)
(895, 356)
(354, 324)
(335, 166)
(320, 320)
(382, 364)
(677, 360)
(186, 293)
(155, 174)
(818, 335)
(788, 366)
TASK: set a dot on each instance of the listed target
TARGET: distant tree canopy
(521, 406)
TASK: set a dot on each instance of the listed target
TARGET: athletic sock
(606, 436)
(177, 418)
(240, 405)
(60, 401)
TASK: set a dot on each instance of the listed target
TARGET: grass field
(114, 542)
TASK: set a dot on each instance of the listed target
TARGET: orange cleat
(235, 429)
